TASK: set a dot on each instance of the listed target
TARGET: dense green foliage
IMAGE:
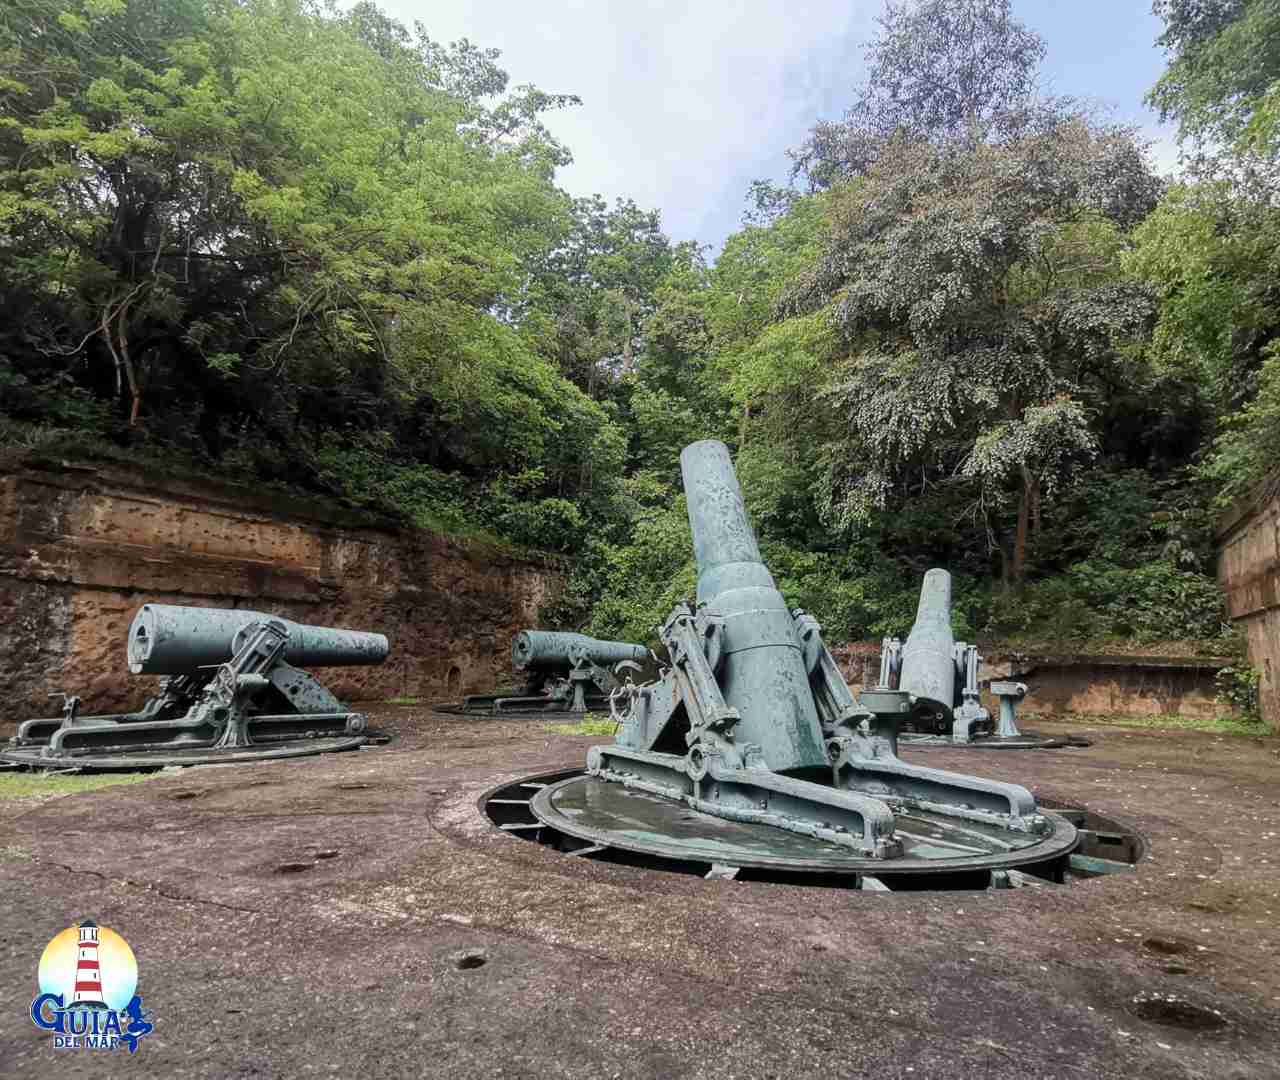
(1223, 79)
(282, 240)
(305, 246)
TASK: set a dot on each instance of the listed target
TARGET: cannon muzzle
(928, 657)
(540, 649)
(165, 639)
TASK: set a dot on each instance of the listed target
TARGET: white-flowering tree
(940, 70)
(981, 316)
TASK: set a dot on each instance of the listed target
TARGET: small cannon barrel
(540, 649)
(928, 657)
(165, 639)
(763, 675)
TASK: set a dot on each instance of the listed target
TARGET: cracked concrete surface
(355, 914)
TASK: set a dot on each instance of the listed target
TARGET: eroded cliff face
(82, 547)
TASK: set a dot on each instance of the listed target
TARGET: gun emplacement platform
(751, 751)
(565, 675)
(231, 693)
(940, 675)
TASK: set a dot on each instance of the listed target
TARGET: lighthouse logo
(87, 978)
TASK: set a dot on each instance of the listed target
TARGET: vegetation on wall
(306, 246)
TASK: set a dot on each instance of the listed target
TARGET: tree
(674, 399)
(981, 316)
(591, 292)
(1222, 84)
(938, 70)
(290, 241)
(1213, 254)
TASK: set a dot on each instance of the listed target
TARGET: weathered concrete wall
(1249, 572)
(1079, 683)
(82, 547)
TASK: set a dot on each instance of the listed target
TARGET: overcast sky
(685, 103)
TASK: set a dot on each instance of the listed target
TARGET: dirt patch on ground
(356, 914)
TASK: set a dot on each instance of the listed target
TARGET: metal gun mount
(563, 673)
(940, 675)
(231, 692)
(750, 750)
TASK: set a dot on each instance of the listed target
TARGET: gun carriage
(940, 675)
(233, 689)
(563, 673)
(750, 750)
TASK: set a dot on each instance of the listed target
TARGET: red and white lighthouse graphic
(88, 991)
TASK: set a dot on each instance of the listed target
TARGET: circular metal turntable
(585, 816)
(128, 761)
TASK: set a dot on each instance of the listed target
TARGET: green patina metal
(940, 675)
(230, 692)
(753, 724)
(563, 673)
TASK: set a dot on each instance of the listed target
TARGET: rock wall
(83, 546)
(1249, 572)
(1079, 682)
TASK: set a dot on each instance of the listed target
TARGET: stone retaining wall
(82, 546)
(1080, 682)
(1249, 572)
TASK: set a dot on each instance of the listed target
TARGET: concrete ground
(356, 915)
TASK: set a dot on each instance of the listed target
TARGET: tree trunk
(1020, 537)
(117, 341)
(135, 383)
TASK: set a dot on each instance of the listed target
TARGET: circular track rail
(586, 818)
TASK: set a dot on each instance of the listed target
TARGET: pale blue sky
(684, 104)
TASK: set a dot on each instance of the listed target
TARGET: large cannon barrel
(539, 649)
(763, 674)
(928, 657)
(165, 639)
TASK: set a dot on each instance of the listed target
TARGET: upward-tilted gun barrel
(543, 649)
(763, 676)
(940, 676)
(928, 657)
(754, 723)
(939, 673)
(166, 639)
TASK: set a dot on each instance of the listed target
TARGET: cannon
(749, 749)
(940, 675)
(230, 690)
(563, 672)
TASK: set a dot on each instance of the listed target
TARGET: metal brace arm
(223, 703)
(708, 711)
(838, 711)
(969, 716)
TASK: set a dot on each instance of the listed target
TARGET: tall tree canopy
(260, 215)
(1223, 80)
(939, 70)
(306, 245)
(944, 352)
(980, 315)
